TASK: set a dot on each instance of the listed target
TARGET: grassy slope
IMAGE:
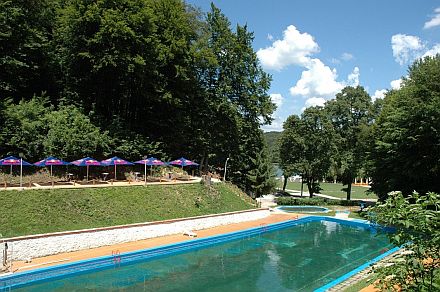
(41, 211)
(334, 190)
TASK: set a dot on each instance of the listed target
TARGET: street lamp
(226, 164)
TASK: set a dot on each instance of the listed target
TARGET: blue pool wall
(41, 275)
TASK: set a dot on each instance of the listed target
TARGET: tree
(36, 129)
(416, 220)
(307, 145)
(26, 127)
(351, 113)
(406, 153)
(71, 134)
(262, 176)
(235, 97)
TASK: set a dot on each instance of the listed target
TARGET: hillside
(42, 211)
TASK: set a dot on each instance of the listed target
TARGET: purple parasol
(11, 160)
(115, 161)
(149, 161)
(87, 161)
(50, 161)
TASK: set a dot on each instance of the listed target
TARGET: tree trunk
(302, 186)
(285, 183)
(349, 190)
(310, 186)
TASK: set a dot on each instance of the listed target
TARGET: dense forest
(132, 78)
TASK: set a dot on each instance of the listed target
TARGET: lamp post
(226, 165)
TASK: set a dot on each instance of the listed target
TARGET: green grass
(334, 190)
(42, 211)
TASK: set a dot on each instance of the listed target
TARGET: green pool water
(299, 258)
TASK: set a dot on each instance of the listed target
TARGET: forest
(133, 78)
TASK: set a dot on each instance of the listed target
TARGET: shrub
(293, 201)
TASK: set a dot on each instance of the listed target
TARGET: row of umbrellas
(88, 161)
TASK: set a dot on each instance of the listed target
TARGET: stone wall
(28, 247)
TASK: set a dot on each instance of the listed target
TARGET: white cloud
(294, 49)
(347, 57)
(396, 84)
(406, 48)
(433, 51)
(435, 20)
(353, 78)
(270, 37)
(318, 80)
(379, 94)
(314, 101)
(277, 99)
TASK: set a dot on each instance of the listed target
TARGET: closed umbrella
(86, 161)
(115, 161)
(151, 162)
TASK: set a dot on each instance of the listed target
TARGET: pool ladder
(116, 254)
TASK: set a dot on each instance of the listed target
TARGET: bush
(292, 201)
(417, 222)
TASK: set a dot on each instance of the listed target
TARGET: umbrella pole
(11, 170)
(50, 170)
(21, 173)
(87, 175)
(115, 172)
(145, 175)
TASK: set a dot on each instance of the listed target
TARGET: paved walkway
(105, 184)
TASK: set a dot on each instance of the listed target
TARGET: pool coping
(189, 245)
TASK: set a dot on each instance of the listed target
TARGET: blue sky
(314, 48)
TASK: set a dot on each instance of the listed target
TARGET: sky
(314, 48)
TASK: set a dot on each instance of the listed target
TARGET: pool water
(303, 209)
(298, 258)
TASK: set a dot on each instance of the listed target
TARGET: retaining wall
(33, 246)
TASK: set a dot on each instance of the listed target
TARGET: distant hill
(272, 142)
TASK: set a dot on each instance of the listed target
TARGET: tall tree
(307, 145)
(351, 113)
(406, 153)
(236, 97)
(262, 176)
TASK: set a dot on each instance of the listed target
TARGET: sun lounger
(190, 233)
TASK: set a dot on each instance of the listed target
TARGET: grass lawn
(41, 211)
(332, 189)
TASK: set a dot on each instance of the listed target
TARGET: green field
(334, 190)
(42, 211)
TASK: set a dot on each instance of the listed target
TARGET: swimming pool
(303, 209)
(300, 255)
